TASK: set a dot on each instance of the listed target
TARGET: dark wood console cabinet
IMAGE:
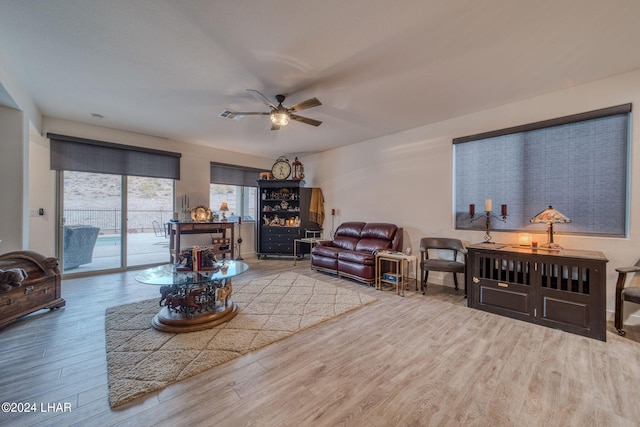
(563, 289)
(39, 290)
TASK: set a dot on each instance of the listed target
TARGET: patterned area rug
(141, 360)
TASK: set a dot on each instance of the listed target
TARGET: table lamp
(550, 216)
(224, 207)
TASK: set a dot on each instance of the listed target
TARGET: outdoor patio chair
(159, 230)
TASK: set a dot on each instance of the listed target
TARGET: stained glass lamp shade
(550, 216)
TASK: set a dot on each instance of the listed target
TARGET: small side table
(398, 261)
(312, 241)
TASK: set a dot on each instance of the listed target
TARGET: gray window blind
(86, 155)
(577, 165)
(234, 175)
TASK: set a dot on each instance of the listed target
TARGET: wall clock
(281, 169)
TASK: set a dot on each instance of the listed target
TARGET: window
(577, 164)
(236, 186)
(122, 194)
(241, 201)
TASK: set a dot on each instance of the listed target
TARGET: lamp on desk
(550, 216)
(224, 207)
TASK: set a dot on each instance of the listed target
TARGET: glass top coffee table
(193, 300)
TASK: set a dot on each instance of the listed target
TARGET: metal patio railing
(109, 220)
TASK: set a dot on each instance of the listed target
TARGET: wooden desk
(176, 229)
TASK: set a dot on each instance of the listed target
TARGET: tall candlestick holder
(239, 241)
(487, 216)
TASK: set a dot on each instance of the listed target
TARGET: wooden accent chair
(631, 294)
(448, 265)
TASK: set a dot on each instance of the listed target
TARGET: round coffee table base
(167, 321)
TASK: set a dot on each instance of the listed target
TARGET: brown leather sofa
(351, 253)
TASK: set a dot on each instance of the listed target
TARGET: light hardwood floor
(412, 361)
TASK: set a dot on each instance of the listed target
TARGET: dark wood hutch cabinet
(563, 289)
(284, 216)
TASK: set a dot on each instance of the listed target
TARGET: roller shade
(234, 175)
(87, 155)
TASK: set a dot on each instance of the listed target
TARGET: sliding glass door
(91, 222)
(149, 208)
(91, 232)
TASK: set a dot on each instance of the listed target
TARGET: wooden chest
(41, 288)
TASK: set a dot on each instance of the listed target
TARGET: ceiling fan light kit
(280, 118)
(279, 114)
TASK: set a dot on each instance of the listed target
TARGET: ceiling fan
(279, 114)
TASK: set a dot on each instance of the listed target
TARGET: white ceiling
(168, 68)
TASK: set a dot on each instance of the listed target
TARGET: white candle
(487, 205)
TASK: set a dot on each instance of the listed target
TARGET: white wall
(41, 195)
(194, 180)
(13, 170)
(19, 96)
(406, 178)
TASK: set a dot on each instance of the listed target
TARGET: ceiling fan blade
(260, 97)
(275, 127)
(306, 120)
(228, 114)
(309, 103)
(237, 115)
